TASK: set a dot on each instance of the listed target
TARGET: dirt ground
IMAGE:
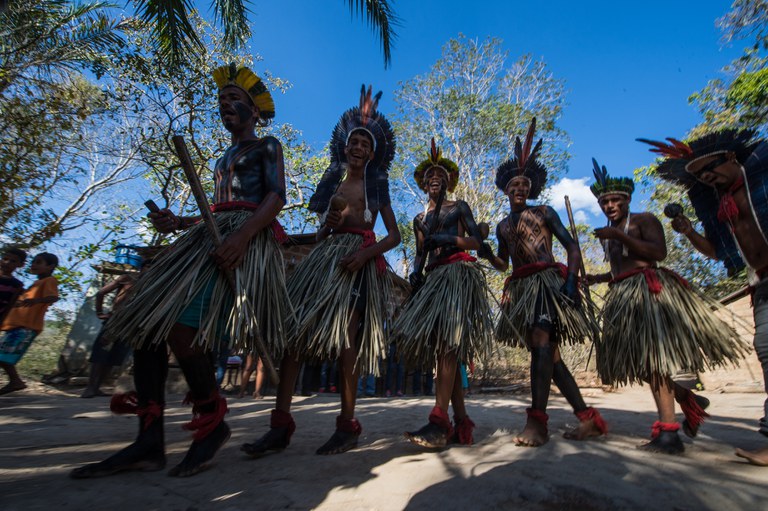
(46, 432)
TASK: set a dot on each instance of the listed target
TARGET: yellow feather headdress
(245, 79)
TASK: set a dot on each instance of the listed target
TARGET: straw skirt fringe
(675, 330)
(324, 296)
(538, 293)
(185, 269)
(451, 312)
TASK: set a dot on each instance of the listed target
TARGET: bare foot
(256, 395)
(584, 431)
(533, 435)
(12, 387)
(759, 457)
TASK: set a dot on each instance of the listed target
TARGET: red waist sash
(651, 278)
(277, 229)
(458, 257)
(529, 269)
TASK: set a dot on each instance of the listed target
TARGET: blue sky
(629, 67)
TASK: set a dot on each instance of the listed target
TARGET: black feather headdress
(605, 184)
(366, 118)
(524, 163)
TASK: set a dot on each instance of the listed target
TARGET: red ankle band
(537, 415)
(597, 419)
(349, 425)
(203, 423)
(658, 427)
(464, 429)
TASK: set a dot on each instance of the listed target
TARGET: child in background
(10, 287)
(25, 319)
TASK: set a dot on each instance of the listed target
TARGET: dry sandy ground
(45, 433)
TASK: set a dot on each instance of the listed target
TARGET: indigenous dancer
(725, 174)
(448, 320)
(184, 299)
(340, 291)
(654, 325)
(541, 296)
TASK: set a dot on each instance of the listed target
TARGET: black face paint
(243, 111)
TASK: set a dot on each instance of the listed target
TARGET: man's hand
(438, 240)
(232, 251)
(570, 287)
(354, 262)
(103, 315)
(608, 233)
(334, 219)
(485, 251)
(416, 280)
(682, 224)
(165, 221)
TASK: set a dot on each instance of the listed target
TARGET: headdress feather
(243, 78)
(435, 159)
(524, 163)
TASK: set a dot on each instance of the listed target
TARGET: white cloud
(578, 192)
(580, 217)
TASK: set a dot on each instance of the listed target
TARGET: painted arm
(500, 261)
(650, 246)
(471, 242)
(683, 225)
(552, 219)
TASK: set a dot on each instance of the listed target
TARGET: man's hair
(21, 254)
(50, 259)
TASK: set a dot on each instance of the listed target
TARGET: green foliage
(175, 36)
(741, 99)
(474, 103)
(43, 354)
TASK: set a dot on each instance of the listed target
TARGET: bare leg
(348, 429)
(247, 372)
(535, 432)
(457, 398)
(348, 373)
(665, 437)
(259, 379)
(199, 371)
(439, 430)
(14, 380)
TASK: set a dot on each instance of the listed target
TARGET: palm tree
(40, 40)
(174, 36)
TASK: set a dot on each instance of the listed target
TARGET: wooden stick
(432, 226)
(213, 231)
(582, 268)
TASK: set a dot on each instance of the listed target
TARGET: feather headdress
(435, 160)
(752, 154)
(524, 163)
(246, 80)
(364, 117)
(605, 184)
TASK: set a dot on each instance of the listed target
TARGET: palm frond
(174, 36)
(382, 20)
(233, 15)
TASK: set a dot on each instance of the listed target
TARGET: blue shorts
(197, 309)
(14, 343)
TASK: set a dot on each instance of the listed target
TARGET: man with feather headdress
(654, 324)
(184, 300)
(541, 296)
(448, 320)
(726, 173)
(340, 291)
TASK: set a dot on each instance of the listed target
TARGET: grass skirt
(540, 292)
(185, 269)
(675, 330)
(450, 312)
(323, 295)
